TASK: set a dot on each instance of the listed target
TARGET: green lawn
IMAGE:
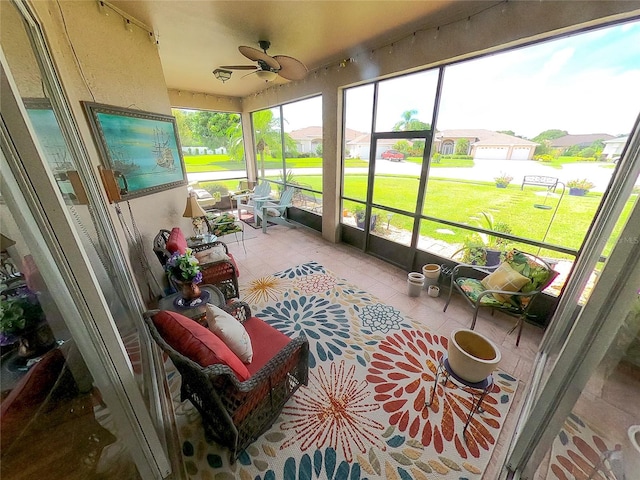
(445, 162)
(459, 201)
(218, 163)
(462, 201)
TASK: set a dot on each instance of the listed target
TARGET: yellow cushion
(504, 278)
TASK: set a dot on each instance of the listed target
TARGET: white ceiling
(196, 37)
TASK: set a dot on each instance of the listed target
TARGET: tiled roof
(586, 139)
(483, 137)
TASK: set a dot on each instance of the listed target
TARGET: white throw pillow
(211, 255)
(230, 331)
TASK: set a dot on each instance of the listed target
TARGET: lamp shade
(193, 208)
(5, 242)
(266, 75)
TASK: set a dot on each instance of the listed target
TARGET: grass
(454, 200)
(445, 162)
(219, 163)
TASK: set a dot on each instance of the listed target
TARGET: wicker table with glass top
(196, 309)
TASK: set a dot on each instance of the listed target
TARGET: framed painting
(53, 144)
(142, 147)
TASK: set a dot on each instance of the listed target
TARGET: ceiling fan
(268, 67)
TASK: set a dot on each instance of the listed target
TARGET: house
(360, 146)
(613, 148)
(94, 252)
(307, 139)
(580, 141)
(485, 144)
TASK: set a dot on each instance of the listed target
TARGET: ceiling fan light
(222, 75)
(266, 75)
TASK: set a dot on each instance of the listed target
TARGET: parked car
(393, 155)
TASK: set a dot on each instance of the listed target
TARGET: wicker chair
(235, 413)
(222, 274)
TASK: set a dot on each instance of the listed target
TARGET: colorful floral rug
(363, 413)
(580, 452)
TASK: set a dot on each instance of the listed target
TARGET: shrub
(503, 179)
(543, 158)
(582, 184)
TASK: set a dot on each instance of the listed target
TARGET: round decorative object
(181, 302)
(472, 356)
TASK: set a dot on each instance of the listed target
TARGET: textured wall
(99, 60)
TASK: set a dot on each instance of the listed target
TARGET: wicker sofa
(235, 411)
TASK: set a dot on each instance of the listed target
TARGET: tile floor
(281, 248)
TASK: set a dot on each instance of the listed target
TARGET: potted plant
(503, 180)
(485, 249)
(184, 270)
(22, 320)
(359, 215)
(579, 187)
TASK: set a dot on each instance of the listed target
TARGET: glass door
(580, 414)
(89, 301)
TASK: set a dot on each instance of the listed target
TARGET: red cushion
(176, 241)
(22, 403)
(266, 341)
(197, 342)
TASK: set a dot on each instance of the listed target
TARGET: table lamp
(194, 211)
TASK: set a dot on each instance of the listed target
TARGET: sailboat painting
(142, 146)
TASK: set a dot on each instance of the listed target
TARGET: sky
(584, 83)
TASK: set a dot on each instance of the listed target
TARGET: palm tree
(266, 131)
(409, 123)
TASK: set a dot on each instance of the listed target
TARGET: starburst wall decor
(363, 412)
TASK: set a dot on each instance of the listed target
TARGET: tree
(549, 135)
(213, 128)
(409, 123)
(545, 138)
(462, 147)
(402, 146)
(266, 130)
(184, 130)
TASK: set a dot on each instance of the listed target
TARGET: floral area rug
(363, 412)
(580, 452)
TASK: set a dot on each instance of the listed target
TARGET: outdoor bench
(541, 180)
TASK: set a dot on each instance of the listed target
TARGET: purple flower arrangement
(184, 267)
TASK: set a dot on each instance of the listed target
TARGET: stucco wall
(99, 60)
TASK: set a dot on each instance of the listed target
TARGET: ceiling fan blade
(291, 68)
(240, 67)
(250, 73)
(256, 55)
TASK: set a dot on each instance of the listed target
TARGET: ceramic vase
(472, 356)
(189, 290)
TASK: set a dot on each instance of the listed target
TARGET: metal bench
(550, 182)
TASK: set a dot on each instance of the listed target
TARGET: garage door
(520, 153)
(486, 153)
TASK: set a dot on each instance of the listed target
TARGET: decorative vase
(189, 290)
(431, 272)
(36, 341)
(472, 356)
